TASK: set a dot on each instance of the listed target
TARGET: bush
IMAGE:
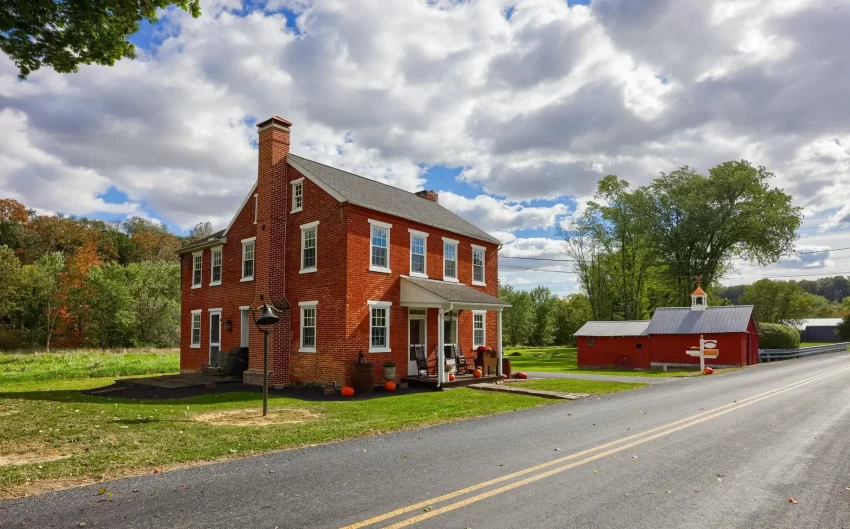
(778, 336)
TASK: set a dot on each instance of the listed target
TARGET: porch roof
(416, 292)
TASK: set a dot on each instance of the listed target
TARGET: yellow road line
(484, 484)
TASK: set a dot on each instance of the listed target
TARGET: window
(477, 265)
(256, 207)
(449, 259)
(638, 346)
(297, 195)
(379, 326)
(380, 246)
(197, 268)
(248, 246)
(479, 326)
(215, 267)
(418, 253)
(196, 329)
(308, 326)
(309, 234)
(244, 325)
(591, 342)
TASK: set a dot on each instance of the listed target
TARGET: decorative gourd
(477, 373)
(708, 371)
(389, 385)
(504, 377)
(347, 391)
(520, 374)
(451, 377)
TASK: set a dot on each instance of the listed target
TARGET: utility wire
(533, 269)
(734, 258)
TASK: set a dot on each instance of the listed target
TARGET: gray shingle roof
(712, 320)
(201, 243)
(374, 195)
(456, 292)
(614, 328)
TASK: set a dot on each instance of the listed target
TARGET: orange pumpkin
(708, 371)
(477, 373)
(521, 375)
(347, 391)
(451, 377)
(389, 385)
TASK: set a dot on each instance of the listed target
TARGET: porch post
(441, 354)
(499, 341)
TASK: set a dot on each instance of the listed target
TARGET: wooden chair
(423, 367)
(460, 359)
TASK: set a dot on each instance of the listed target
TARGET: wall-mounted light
(228, 325)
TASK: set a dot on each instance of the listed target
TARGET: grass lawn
(813, 344)
(566, 385)
(563, 359)
(73, 364)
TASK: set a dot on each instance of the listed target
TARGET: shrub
(778, 336)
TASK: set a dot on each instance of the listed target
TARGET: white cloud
(491, 214)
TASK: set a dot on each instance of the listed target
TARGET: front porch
(459, 381)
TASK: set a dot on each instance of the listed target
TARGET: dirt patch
(254, 417)
(5, 411)
(26, 459)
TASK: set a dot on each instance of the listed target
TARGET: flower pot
(389, 373)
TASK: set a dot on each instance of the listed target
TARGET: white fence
(769, 355)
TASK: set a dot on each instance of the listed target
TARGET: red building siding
(611, 351)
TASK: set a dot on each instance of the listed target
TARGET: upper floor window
(379, 246)
(449, 259)
(477, 265)
(197, 268)
(418, 253)
(297, 195)
(248, 247)
(309, 239)
(215, 266)
(196, 328)
(308, 326)
(479, 334)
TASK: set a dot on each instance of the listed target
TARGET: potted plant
(389, 370)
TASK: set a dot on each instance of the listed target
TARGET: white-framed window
(297, 195)
(309, 242)
(418, 253)
(256, 206)
(379, 326)
(197, 268)
(244, 325)
(379, 246)
(479, 328)
(449, 259)
(196, 329)
(248, 250)
(215, 266)
(478, 265)
(308, 326)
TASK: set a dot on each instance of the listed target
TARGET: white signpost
(707, 349)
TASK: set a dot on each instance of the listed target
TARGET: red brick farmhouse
(666, 338)
(356, 266)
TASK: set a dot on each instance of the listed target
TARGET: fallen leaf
(557, 449)
(669, 492)
(157, 470)
(102, 491)
(634, 457)
(719, 479)
(792, 500)
(81, 524)
(428, 509)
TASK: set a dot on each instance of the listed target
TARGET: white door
(215, 336)
(244, 326)
(417, 331)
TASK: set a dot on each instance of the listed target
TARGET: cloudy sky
(511, 109)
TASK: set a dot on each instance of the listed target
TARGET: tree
(110, 302)
(542, 328)
(13, 211)
(155, 293)
(200, 231)
(777, 301)
(516, 319)
(41, 296)
(63, 35)
(570, 314)
(10, 284)
(699, 223)
(843, 329)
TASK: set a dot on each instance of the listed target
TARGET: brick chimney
(269, 260)
(428, 194)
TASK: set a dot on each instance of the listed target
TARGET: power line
(734, 258)
(532, 269)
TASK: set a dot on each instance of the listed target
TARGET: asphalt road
(726, 451)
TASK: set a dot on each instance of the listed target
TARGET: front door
(215, 336)
(417, 322)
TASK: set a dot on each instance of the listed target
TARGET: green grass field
(566, 385)
(563, 360)
(72, 364)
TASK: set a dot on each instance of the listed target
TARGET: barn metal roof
(683, 320)
(818, 322)
(614, 328)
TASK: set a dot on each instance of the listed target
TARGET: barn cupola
(699, 299)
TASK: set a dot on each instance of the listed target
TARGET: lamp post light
(267, 317)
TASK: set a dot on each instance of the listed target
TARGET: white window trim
(304, 228)
(456, 244)
(193, 345)
(385, 305)
(483, 314)
(293, 184)
(373, 268)
(483, 265)
(242, 261)
(424, 235)
(308, 305)
(213, 250)
(195, 255)
(256, 206)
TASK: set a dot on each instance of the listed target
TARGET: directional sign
(707, 349)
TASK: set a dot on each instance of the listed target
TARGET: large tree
(777, 301)
(517, 318)
(64, 34)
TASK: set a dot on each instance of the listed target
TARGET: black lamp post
(267, 317)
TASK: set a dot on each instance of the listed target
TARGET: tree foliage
(64, 35)
(778, 336)
(782, 302)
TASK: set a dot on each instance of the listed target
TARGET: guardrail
(769, 355)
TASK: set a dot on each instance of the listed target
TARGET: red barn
(665, 339)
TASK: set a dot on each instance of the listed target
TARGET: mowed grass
(566, 385)
(74, 364)
(564, 360)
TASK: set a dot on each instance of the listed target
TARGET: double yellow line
(597, 452)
